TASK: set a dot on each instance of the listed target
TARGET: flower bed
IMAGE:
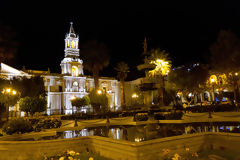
(187, 155)
(72, 155)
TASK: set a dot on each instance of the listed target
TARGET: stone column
(213, 129)
(199, 129)
(205, 128)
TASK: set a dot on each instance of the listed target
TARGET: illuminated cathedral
(71, 83)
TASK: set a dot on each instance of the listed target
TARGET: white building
(71, 82)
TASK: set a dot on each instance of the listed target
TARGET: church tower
(72, 64)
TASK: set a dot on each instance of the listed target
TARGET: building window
(60, 88)
(74, 71)
(73, 44)
(104, 90)
(68, 43)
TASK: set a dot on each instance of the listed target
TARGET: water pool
(140, 133)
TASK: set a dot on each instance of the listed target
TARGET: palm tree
(95, 58)
(122, 69)
(159, 58)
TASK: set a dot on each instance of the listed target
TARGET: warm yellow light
(74, 71)
(8, 90)
(213, 79)
(236, 74)
(179, 93)
(73, 97)
(134, 95)
(14, 92)
(99, 91)
(73, 44)
(68, 43)
(162, 67)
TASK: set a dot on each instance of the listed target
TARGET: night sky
(185, 30)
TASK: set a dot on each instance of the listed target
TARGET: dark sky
(185, 30)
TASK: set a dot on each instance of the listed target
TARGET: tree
(122, 69)
(25, 104)
(32, 104)
(188, 79)
(39, 104)
(95, 56)
(225, 55)
(8, 44)
(8, 96)
(31, 87)
(80, 102)
(160, 59)
(98, 101)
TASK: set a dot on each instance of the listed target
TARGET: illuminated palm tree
(95, 58)
(159, 58)
(122, 69)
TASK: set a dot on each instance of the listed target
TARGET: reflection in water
(145, 132)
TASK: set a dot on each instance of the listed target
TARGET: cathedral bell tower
(71, 64)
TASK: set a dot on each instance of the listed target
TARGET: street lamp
(8, 92)
(99, 91)
(213, 81)
(236, 91)
(134, 97)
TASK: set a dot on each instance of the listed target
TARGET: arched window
(68, 43)
(73, 44)
(75, 71)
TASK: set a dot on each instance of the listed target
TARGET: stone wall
(120, 150)
(21, 150)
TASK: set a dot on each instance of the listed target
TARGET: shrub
(33, 121)
(159, 117)
(47, 124)
(174, 116)
(17, 126)
(212, 108)
(141, 117)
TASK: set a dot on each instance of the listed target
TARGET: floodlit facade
(72, 82)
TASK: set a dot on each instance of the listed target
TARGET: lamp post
(8, 92)
(99, 92)
(212, 80)
(134, 97)
(236, 87)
